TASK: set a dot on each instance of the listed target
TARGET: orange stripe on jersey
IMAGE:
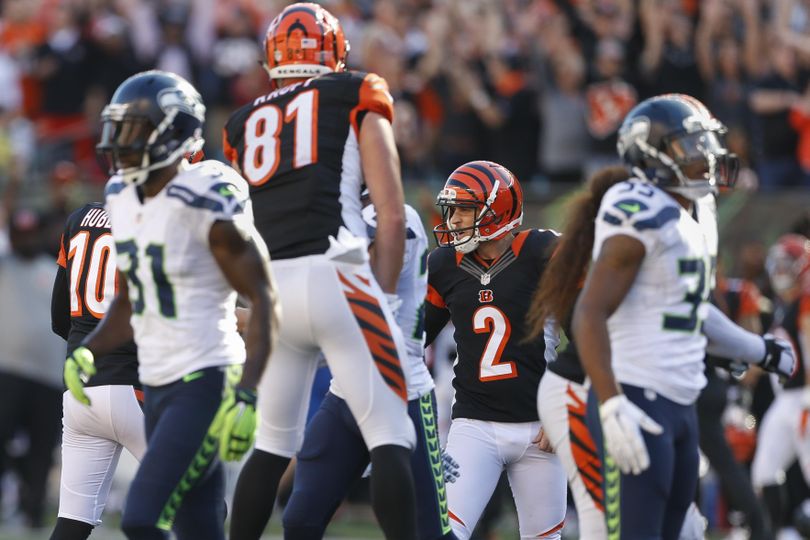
(138, 395)
(749, 300)
(434, 297)
(61, 259)
(454, 517)
(583, 450)
(230, 152)
(552, 530)
(517, 243)
(804, 306)
(377, 334)
(374, 97)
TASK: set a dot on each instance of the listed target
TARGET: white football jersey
(411, 289)
(655, 334)
(182, 305)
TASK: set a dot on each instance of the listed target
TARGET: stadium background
(537, 85)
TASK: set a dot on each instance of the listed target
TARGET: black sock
(144, 533)
(392, 492)
(255, 494)
(775, 498)
(70, 529)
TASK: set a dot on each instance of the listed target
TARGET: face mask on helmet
(124, 142)
(144, 133)
(701, 163)
(787, 263)
(464, 239)
(674, 142)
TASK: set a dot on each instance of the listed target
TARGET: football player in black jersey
(784, 435)
(306, 149)
(92, 437)
(482, 278)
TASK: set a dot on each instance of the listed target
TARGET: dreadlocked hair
(563, 276)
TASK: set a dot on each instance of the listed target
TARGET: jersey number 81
(262, 153)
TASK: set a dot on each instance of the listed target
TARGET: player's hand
(238, 416)
(779, 357)
(541, 441)
(79, 367)
(450, 467)
(622, 422)
(394, 302)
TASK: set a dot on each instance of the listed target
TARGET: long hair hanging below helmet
(563, 276)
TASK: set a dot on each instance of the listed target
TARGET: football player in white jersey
(334, 455)
(563, 391)
(638, 321)
(185, 246)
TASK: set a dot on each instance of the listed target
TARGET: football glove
(238, 414)
(394, 302)
(450, 467)
(622, 422)
(79, 367)
(779, 357)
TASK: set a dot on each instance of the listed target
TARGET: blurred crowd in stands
(539, 85)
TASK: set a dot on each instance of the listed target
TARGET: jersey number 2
(489, 319)
(99, 283)
(262, 144)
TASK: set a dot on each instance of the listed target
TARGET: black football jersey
(298, 149)
(85, 285)
(787, 317)
(496, 373)
(567, 365)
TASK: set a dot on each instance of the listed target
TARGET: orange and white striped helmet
(496, 195)
(304, 40)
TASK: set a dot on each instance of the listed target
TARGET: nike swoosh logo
(193, 376)
(631, 208)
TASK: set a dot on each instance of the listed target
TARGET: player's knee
(301, 524)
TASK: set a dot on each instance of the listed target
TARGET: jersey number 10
(99, 283)
(262, 153)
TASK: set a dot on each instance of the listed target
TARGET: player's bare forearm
(381, 171)
(386, 261)
(593, 344)
(114, 329)
(608, 282)
(248, 273)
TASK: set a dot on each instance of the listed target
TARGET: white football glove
(394, 302)
(450, 467)
(779, 357)
(622, 422)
